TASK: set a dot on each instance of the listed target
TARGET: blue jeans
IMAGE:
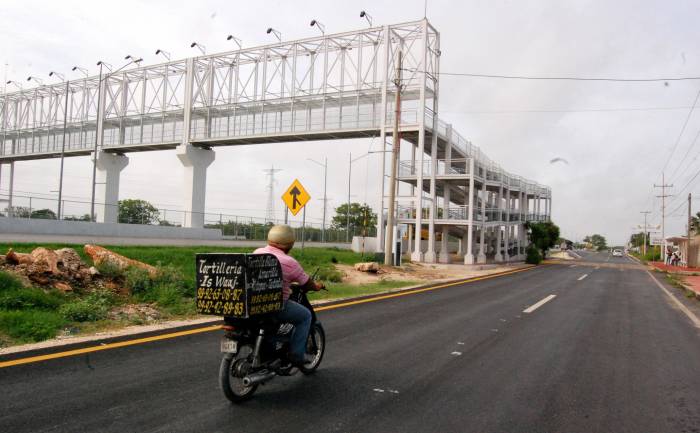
(300, 317)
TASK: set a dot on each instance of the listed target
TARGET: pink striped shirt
(292, 272)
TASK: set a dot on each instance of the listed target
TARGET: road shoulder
(185, 326)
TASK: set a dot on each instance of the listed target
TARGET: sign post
(296, 197)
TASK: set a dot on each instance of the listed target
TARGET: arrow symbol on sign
(294, 193)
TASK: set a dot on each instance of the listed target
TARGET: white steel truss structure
(320, 88)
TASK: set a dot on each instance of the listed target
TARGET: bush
(110, 270)
(534, 257)
(32, 325)
(91, 308)
(9, 281)
(139, 281)
(26, 298)
(330, 274)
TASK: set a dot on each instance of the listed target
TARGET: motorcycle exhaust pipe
(256, 378)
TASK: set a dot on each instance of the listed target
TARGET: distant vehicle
(617, 253)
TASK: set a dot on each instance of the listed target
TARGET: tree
(597, 241)
(695, 223)
(19, 211)
(361, 217)
(132, 211)
(85, 217)
(46, 214)
(637, 239)
(543, 235)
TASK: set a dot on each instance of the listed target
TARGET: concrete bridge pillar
(195, 161)
(481, 257)
(444, 256)
(109, 166)
(499, 256)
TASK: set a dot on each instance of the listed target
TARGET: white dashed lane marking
(582, 277)
(532, 308)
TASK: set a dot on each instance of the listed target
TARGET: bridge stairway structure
(328, 87)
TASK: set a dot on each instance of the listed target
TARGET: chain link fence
(235, 227)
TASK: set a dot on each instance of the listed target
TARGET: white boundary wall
(81, 228)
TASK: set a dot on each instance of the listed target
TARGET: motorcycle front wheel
(232, 370)
(315, 346)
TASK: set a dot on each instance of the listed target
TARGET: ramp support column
(109, 166)
(195, 161)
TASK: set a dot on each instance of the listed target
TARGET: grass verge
(341, 290)
(29, 314)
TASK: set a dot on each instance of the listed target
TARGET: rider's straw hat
(281, 235)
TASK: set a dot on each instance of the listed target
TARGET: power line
(690, 113)
(692, 144)
(573, 110)
(554, 78)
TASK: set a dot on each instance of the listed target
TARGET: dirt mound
(63, 269)
(100, 255)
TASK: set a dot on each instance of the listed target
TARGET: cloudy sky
(617, 137)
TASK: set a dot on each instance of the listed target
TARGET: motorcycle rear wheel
(315, 346)
(232, 370)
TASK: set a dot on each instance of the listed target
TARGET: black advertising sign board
(238, 285)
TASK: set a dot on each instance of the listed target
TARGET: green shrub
(9, 281)
(110, 270)
(26, 298)
(137, 280)
(171, 276)
(330, 274)
(534, 257)
(91, 308)
(31, 325)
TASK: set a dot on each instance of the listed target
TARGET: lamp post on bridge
(164, 53)
(236, 40)
(200, 47)
(63, 144)
(276, 33)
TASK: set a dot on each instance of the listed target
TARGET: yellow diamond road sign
(296, 197)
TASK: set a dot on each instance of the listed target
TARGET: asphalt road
(609, 353)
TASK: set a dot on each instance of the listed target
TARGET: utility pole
(325, 199)
(63, 152)
(97, 142)
(663, 196)
(644, 246)
(347, 219)
(395, 152)
(690, 221)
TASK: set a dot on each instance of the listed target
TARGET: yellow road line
(107, 346)
(413, 292)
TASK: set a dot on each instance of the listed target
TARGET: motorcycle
(255, 350)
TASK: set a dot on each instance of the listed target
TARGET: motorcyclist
(280, 241)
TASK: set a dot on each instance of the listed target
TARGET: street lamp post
(236, 40)
(347, 220)
(276, 33)
(319, 25)
(325, 198)
(63, 145)
(164, 53)
(201, 47)
(366, 16)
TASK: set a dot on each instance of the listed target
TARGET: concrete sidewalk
(690, 277)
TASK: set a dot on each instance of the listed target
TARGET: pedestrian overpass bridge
(321, 88)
